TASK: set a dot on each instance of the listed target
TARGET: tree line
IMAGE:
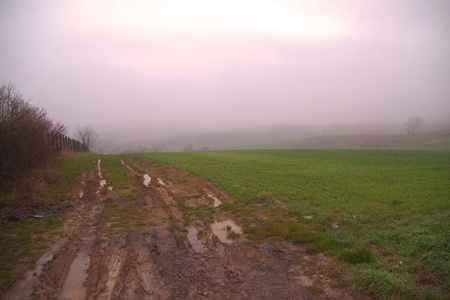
(29, 139)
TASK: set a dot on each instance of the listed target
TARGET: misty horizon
(162, 69)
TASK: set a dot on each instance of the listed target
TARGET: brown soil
(138, 249)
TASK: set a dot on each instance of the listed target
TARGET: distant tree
(413, 123)
(87, 135)
(157, 149)
(205, 148)
(188, 148)
(142, 148)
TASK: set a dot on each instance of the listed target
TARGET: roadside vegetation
(383, 215)
(24, 139)
(31, 225)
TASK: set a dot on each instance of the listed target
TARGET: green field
(382, 214)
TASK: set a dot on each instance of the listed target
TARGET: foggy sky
(168, 66)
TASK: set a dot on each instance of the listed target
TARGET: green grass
(436, 145)
(371, 208)
(115, 171)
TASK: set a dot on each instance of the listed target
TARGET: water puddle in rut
(221, 229)
(217, 202)
(123, 163)
(147, 179)
(74, 284)
(99, 168)
(196, 244)
(23, 288)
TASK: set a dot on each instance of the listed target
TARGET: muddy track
(167, 244)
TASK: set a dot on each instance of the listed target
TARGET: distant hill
(281, 136)
(369, 141)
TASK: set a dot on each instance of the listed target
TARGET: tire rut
(153, 257)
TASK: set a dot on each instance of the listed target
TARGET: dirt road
(165, 239)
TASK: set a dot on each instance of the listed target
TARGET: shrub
(23, 137)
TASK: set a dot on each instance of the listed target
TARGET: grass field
(382, 214)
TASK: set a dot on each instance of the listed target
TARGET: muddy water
(123, 163)
(22, 289)
(217, 202)
(147, 179)
(220, 230)
(99, 168)
(74, 284)
(196, 244)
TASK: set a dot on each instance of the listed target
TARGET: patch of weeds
(396, 202)
(315, 287)
(432, 250)
(246, 221)
(336, 284)
(226, 206)
(146, 233)
(181, 236)
(309, 273)
(130, 195)
(176, 226)
(233, 235)
(357, 256)
(276, 249)
(385, 283)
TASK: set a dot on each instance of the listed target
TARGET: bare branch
(87, 135)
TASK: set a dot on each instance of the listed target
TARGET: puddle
(147, 179)
(196, 244)
(160, 181)
(23, 288)
(102, 185)
(217, 202)
(99, 168)
(81, 195)
(73, 286)
(220, 229)
(110, 188)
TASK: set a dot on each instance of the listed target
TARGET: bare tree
(87, 135)
(188, 148)
(24, 130)
(413, 123)
(59, 128)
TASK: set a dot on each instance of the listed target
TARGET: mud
(173, 242)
